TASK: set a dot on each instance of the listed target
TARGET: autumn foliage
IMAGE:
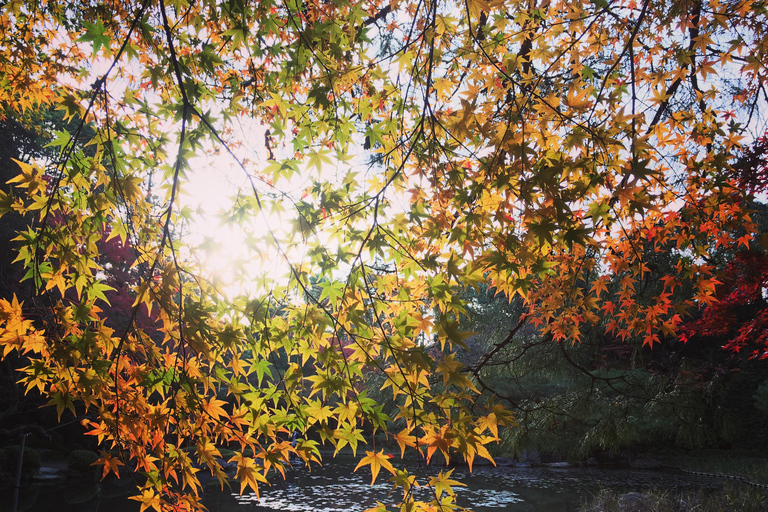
(740, 314)
(551, 150)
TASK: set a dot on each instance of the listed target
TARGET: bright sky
(214, 184)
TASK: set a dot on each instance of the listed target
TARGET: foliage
(81, 462)
(751, 170)
(740, 313)
(9, 460)
(549, 150)
(761, 398)
(599, 396)
(739, 497)
(750, 466)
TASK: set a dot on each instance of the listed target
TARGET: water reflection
(335, 488)
(339, 491)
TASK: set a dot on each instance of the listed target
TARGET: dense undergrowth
(736, 498)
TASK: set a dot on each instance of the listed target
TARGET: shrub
(9, 459)
(226, 453)
(761, 398)
(80, 462)
(739, 497)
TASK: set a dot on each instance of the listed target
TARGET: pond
(336, 488)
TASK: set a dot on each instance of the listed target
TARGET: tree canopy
(552, 151)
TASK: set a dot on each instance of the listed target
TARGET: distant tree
(751, 169)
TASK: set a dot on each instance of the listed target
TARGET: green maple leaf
(97, 34)
(321, 96)
(333, 291)
(316, 158)
(96, 291)
(576, 236)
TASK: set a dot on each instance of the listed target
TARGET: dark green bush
(226, 453)
(80, 462)
(9, 459)
(739, 498)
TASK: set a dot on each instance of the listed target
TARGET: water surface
(336, 488)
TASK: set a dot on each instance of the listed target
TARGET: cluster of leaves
(545, 149)
(740, 315)
(751, 169)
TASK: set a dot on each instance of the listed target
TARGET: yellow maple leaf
(488, 422)
(405, 439)
(148, 498)
(443, 483)
(248, 473)
(213, 408)
(376, 460)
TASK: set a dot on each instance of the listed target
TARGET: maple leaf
(376, 460)
(97, 33)
(62, 401)
(317, 158)
(148, 499)
(488, 422)
(111, 465)
(600, 285)
(404, 439)
(319, 412)
(578, 99)
(208, 451)
(213, 408)
(96, 291)
(248, 473)
(442, 483)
